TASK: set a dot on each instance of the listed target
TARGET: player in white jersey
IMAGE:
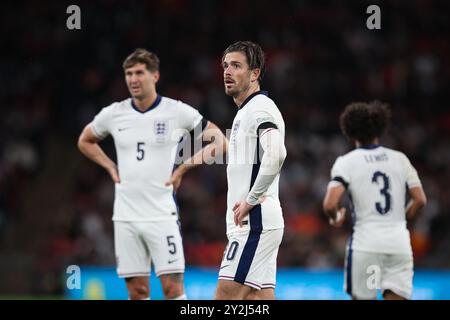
(146, 129)
(256, 153)
(379, 254)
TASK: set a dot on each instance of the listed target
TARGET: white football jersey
(377, 179)
(146, 146)
(243, 163)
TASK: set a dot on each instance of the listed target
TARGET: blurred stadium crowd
(56, 206)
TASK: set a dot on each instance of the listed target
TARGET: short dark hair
(364, 122)
(144, 56)
(253, 52)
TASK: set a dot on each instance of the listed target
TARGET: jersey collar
(369, 146)
(266, 93)
(153, 106)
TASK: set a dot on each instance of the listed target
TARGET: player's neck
(145, 103)
(245, 94)
(375, 141)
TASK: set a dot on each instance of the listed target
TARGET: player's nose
(133, 78)
(227, 71)
(133, 82)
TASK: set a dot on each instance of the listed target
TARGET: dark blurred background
(56, 206)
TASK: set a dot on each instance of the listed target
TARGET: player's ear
(254, 76)
(156, 76)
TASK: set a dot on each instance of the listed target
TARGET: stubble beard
(235, 92)
(232, 92)
(141, 96)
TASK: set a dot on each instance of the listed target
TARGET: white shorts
(140, 244)
(250, 258)
(367, 272)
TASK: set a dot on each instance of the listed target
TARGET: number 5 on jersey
(140, 151)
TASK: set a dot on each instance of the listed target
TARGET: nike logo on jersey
(122, 129)
(172, 261)
(224, 266)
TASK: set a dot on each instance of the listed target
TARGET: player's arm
(217, 146)
(417, 202)
(415, 190)
(88, 145)
(331, 203)
(272, 144)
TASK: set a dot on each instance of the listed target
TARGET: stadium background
(55, 205)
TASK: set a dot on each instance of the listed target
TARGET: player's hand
(340, 218)
(175, 179)
(241, 210)
(114, 174)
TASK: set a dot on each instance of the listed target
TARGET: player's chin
(137, 96)
(230, 92)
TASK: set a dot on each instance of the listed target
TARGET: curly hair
(364, 122)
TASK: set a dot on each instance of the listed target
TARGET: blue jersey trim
(369, 146)
(250, 97)
(153, 106)
(349, 267)
(248, 253)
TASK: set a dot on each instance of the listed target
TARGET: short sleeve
(102, 123)
(189, 116)
(339, 174)
(412, 178)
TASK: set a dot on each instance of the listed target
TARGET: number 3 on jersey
(384, 192)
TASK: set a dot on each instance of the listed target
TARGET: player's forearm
(331, 204)
(417, 202)
(207, 154)
(194, 161)
(96, 154)
(413, 208)
(331, 212)
(271, 163)
(332, 199)
(262, 184)
(217, 147)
